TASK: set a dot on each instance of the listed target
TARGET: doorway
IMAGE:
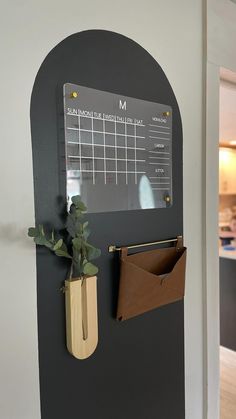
(227, 242)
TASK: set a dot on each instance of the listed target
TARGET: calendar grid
(92, 145)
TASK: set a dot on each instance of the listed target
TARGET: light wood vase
(81, 316)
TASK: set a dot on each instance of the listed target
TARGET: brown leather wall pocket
(150, 279)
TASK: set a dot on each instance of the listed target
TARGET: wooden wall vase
(81, 316)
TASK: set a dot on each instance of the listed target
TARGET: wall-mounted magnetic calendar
(118, 150)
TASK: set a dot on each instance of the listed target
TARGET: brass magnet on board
(74, 95)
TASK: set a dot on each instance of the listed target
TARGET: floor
(228, 383)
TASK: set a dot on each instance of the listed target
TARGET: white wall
(172, 33)
(221, 33)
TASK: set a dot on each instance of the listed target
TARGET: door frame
(220, 43)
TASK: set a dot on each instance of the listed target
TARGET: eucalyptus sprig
(76, 247)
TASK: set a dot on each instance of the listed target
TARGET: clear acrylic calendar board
(118, 150)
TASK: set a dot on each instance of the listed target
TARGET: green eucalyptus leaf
(76, 199)
(90, 269)
(92, 252)
(40, 240)
(41, 230)
(48, 244)
(33, 232)
(85, 261)
(78, 214)
(79, 228)
(58, 244)
(77, 243)
(86, 233)
(78, 232)
(80, 206)
(76, 254)
(64, 247)
(77, 261)
(62, 253)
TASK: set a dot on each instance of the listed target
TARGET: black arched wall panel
(137, 370)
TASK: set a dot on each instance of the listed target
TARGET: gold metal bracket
(113, 248)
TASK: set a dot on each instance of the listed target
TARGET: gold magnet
(167, 198)
(167, 113)
(74, 95)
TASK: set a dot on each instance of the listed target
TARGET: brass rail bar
(113, 248)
